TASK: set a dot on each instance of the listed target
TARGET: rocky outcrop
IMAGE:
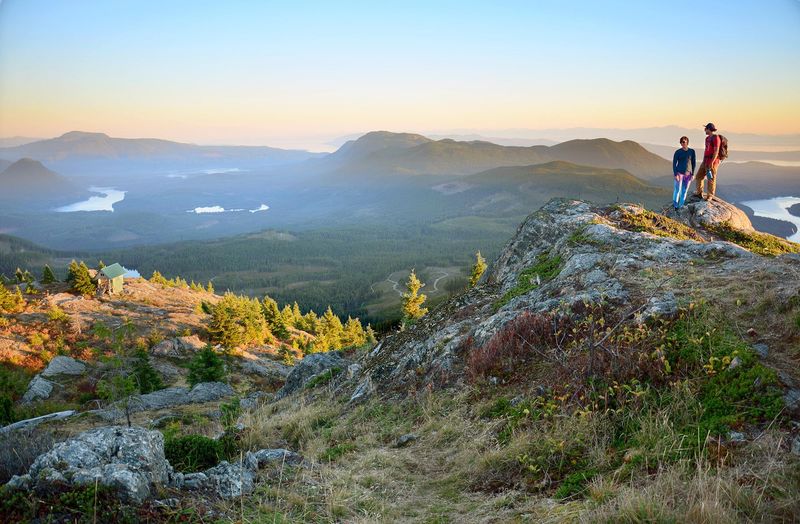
(131, 460)
(62, 365)
(706, 213)
(231, 480)
(171, 397)
(178, 347)
(587, 254)
(40, 388)
(308, 368)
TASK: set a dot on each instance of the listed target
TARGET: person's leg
(687, 181)
(676, 191)
(701, 175)
(712, 184)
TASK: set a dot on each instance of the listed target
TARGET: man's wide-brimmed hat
(711, 126)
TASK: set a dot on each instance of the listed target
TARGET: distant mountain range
(76, 150)
(27, 179)
(664, 135)
(382, 152)
(736, 155)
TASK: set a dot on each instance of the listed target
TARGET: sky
(293, 72)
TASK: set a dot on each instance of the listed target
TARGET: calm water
(96, 203)
(220, 209)
(777, 208)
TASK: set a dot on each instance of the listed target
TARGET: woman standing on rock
(683, 173)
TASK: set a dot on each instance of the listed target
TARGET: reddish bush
(520, 341)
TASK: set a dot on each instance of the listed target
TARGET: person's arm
(675, 161)
(694, 162)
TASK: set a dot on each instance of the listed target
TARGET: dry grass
(458, 472)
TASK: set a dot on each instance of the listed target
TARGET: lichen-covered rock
(209, 392)
(258, 459)
(165, 348)
(62, 365)
(267, 369)
(178, 347)
(225, 479)
(310, 366)
(698, 212)
(128, 459)
(170, 397)
(38, 389)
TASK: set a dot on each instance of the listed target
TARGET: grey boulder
(309, 367)
(62, 365)
(128, 459)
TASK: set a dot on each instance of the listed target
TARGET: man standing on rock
(711, 160)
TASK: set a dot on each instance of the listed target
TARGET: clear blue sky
(239, 71)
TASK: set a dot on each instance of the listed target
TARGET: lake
(220, 209)
(777, 208)
(96, 203)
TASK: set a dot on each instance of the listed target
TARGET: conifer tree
(287, 315)
(310, 323)
(412, 299)
(370, 333)
(274, 318)
(72, 271)
(81, 280)
(158, 278)
(477, 269)
(207, 366)
(48, 277)
(147, 378)
(210, 287)
(331, 330)
(100, 265)
(354, 334)
(298, 316)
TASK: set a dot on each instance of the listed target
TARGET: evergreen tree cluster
(158, 278)
(237, 320)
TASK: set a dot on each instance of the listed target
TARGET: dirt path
(445, 274)
(394, 285)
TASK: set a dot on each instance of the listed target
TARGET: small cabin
(110, 279)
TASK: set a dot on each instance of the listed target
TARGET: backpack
(723, 148)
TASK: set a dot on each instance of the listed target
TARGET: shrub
(509, 350)
(192, 452)
(10, 302)
(56, 314)
(207, 366)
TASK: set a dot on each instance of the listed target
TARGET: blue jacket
(680, 160)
